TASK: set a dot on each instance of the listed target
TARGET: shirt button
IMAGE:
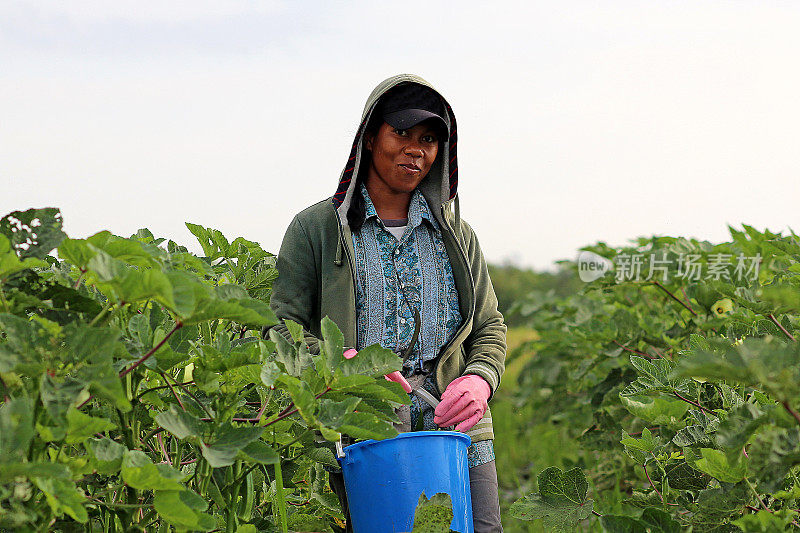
(397, 251)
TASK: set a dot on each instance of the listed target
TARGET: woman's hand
(394, 376)
(464, 402)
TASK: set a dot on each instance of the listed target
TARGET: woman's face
(401, 158)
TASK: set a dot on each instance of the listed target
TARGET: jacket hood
(440, 185)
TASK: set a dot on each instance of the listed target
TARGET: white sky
(578, 121)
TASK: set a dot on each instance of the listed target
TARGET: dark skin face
(400, 160)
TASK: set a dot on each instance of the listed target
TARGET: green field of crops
(139, 394)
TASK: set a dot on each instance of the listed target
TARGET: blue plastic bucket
(384, 479)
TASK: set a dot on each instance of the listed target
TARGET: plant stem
(175, 394)
(145, 357)
(184, 389)
(281, 417)
(644, 465)
(164, 452)
(101, 313)
(161, 387)
(763, 506)
(3, 299)
(637, 352)
(5, 389)
(660, 286)
(775, 321)
(692, 403)
(286, 446)
(78, 281)
(240, 477)
(791, 411)
(280, 497)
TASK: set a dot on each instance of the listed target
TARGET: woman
(390, 262)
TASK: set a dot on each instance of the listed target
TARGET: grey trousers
(482, 487)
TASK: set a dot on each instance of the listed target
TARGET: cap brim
(408, 118)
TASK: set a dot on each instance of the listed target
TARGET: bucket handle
(339, 448)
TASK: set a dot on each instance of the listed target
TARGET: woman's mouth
(411, 170)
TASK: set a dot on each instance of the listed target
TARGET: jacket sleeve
(485, 346)
(295, 292)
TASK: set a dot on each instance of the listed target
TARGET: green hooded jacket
(316, 268)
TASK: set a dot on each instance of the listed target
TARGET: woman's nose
(414, 149)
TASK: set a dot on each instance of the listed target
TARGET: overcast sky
(578, 121)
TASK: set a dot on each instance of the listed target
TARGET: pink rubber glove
(464, 402)
(395, 376)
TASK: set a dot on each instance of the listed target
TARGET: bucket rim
(412, 434)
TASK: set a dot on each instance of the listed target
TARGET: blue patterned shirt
(394, 277)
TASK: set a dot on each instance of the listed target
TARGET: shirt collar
(418, 209)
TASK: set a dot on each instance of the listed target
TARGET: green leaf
(9, 471)
(63, 497)
(370, 388)
(250, 312)
(640, 450)
(655, 376)
(259, 452)
(768, 364)
(374, 360)
(76, 251)
(742, 422)
(321, 455)
(11, 264)
(51, 433)
(659, 521)
(434, 515)
(180, 423)
(58, 396)
(24, 341)
(81, 426)
(295, 330)
(764, 522)
(227, 444)
(16, 429)
(715, 506)
(269, 373)
(213, 242)
(366, 426)
(332, 414)
(681, 476)
(106, 455)
(302, 397)
(139, 472)
(691, 436)
(183, 509)
(622, 524)
(332, 345)
(561, 502)
(774, 452)
(97, 348)
(34, 232)
(294, 361)
(655, 410)
(715, 463)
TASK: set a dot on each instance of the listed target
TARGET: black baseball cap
(406, 105)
